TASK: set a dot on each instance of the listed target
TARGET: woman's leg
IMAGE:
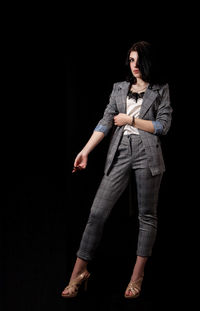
(148, 187)
(109, 191)
(147, 193)
(107, 195)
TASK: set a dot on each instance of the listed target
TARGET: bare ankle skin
(79, 267)
(138, 270)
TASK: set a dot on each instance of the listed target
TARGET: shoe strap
(80, 278)
(135, 284)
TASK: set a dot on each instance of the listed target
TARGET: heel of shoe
(86, 285)
(86, 282)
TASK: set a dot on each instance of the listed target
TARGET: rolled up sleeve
(102, 128)
(158, 128)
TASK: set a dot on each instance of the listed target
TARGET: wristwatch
(133, 121)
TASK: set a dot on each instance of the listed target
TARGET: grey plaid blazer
(155, 107)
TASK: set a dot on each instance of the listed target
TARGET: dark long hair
(144, 62)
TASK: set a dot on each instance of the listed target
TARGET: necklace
(138, 90)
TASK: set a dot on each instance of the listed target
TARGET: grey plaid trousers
(130, 155)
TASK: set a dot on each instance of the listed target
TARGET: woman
(140, 112)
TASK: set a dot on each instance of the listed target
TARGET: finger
(75, 169)
(81, 167)
(76, 162)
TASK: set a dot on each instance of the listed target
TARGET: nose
(135, 65)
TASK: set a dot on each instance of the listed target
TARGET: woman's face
(133, 58)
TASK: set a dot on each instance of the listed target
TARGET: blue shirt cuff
(158, 128)
(102, 128)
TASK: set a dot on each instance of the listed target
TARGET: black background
(60, 68)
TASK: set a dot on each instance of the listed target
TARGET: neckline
(140, 91)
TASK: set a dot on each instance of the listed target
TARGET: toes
(65, 292)
(128, 292)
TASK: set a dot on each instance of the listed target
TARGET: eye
(131, 60)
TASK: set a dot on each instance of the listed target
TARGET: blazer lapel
(148, 99)
(123, 95)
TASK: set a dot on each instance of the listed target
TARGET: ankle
(136, 276)
(76, 273)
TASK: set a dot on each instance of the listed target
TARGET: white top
(132, 109)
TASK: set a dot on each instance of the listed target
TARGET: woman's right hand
(80, 162)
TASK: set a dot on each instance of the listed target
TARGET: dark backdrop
(60, 74)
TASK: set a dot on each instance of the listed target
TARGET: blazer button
(157, 146)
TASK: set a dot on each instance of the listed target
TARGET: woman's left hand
(122, 119)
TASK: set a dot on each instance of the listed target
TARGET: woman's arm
(123, 119)
(94, 140)
(100, 131)
(82, 158)
(144, 125)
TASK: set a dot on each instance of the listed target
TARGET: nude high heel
(134, 287)
(74, 285)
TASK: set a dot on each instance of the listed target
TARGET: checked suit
(141, 154)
